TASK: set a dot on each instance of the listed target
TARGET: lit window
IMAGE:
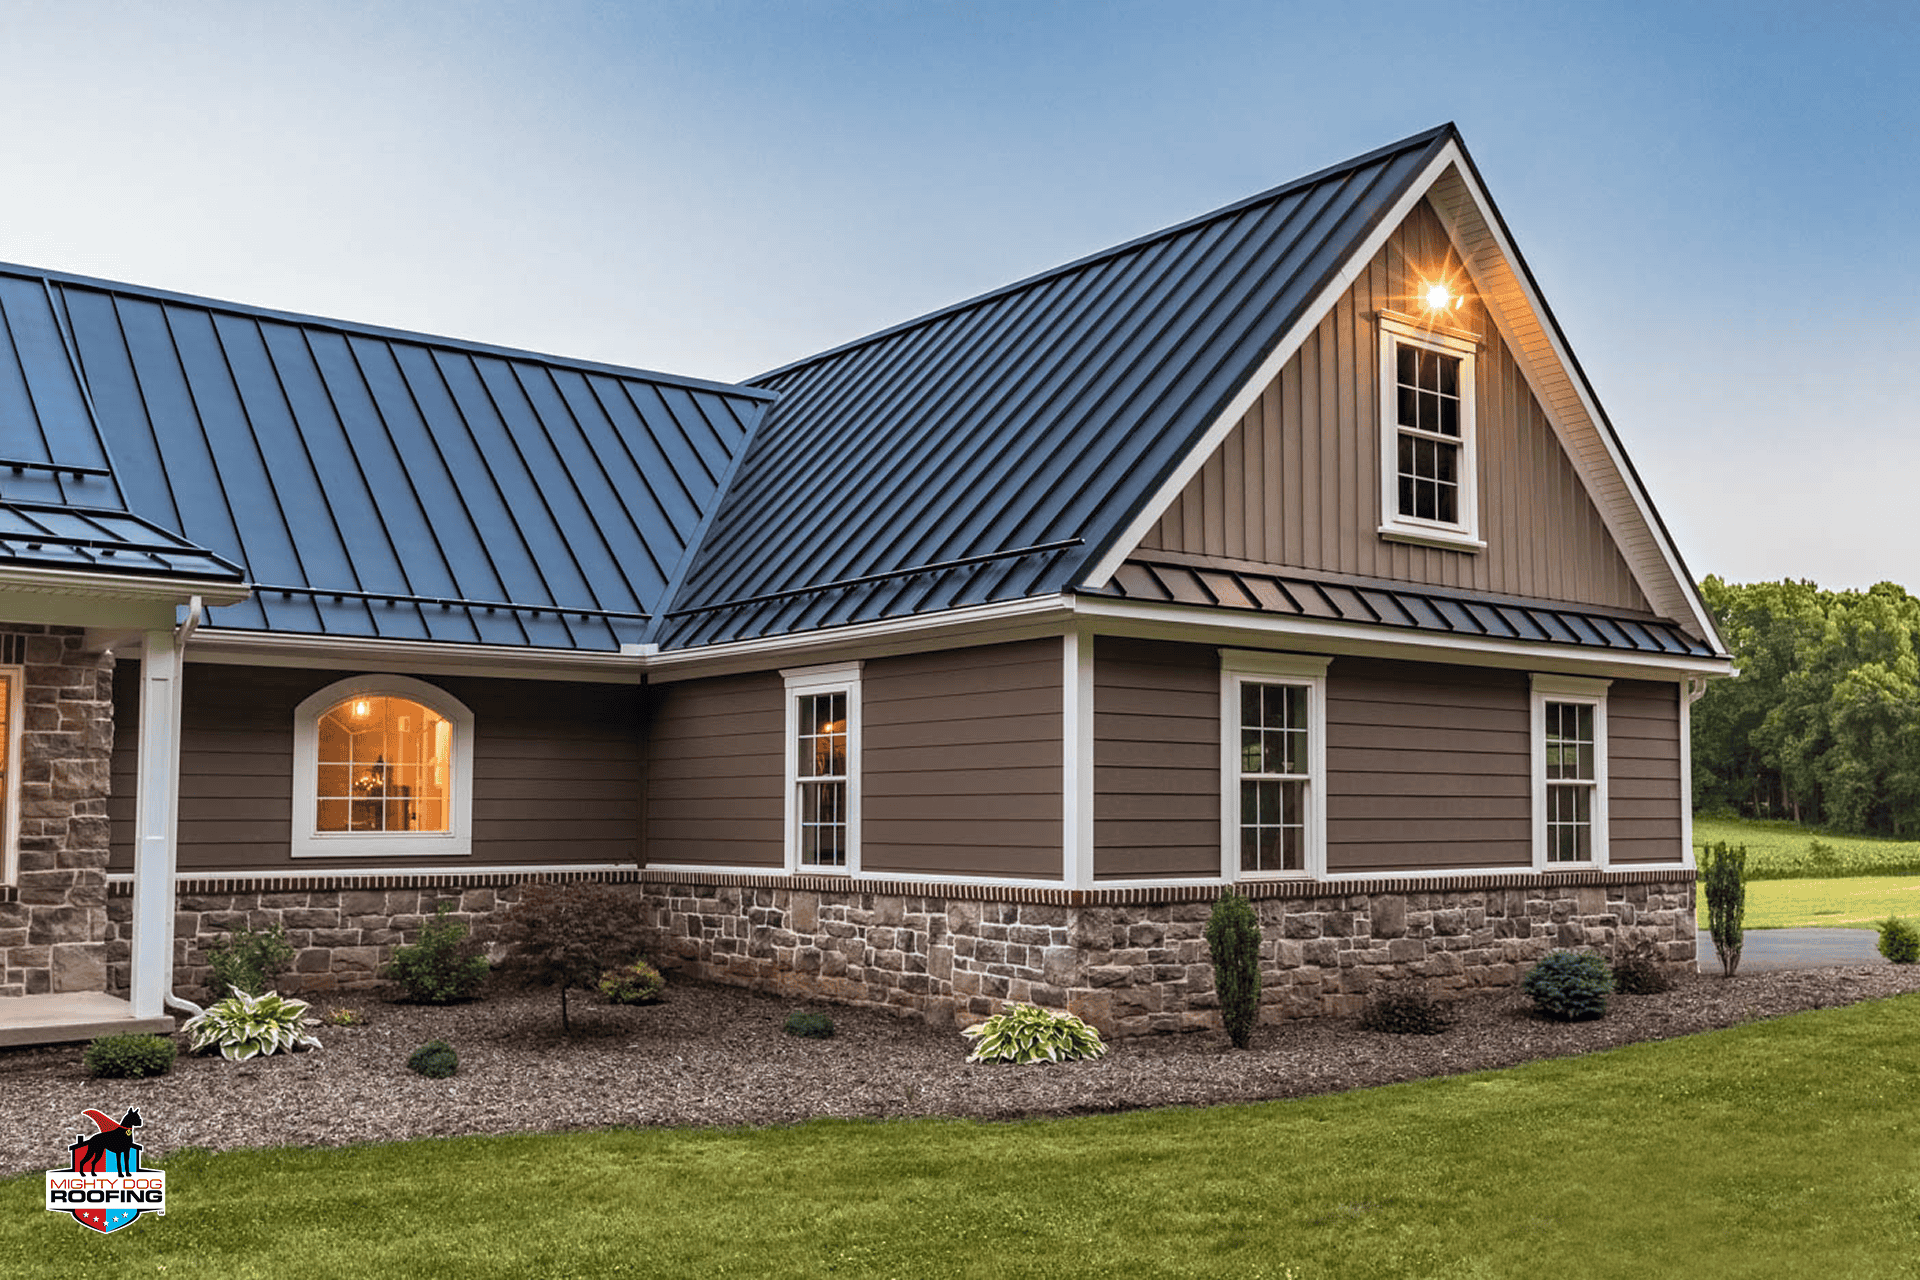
(11, 680)
(383, 767)
(1273, 729)
(1569, 771)
(823, 768)
(1428, 479)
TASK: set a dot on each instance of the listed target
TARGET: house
(1287, 549)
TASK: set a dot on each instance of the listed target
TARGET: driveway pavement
(1765, 950)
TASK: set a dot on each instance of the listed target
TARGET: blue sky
(1718, 199)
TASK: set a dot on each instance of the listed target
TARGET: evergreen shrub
(1571, 986)
(1899, 941)
(444, 966)
(248, 960)
(1723, 879)
(636, 983)
(1405, 1011)
(129, 1057)
(1639, 974)
(1233, 943)
(808, 1025)
(435, 1060)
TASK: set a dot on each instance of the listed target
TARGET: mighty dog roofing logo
(105, 1188)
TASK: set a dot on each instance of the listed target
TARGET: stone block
(1059, 966)
(79, 966)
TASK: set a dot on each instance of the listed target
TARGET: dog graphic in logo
(104, 1187)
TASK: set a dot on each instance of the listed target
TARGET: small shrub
(1639, 974)
(1570, 985)
(344, 1017)
(1405, 1011)
(636, 983)
(565, 934)
(435, 1060)
(249, 960)
(444, 966)
(808, 1025)
(244, 1026)
(1233, 943)
(1723, 879)
(1899, 941)
(129, 1057)
(1025, 1033)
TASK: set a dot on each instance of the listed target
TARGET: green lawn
(1786, 1148)
(1857, 902)
(1785, 850)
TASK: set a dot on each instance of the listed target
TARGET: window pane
(1446, 503)
(1449, 376)
(1404, 366)
(385, 764)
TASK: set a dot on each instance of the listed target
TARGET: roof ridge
(1413, 142)
(254, 312)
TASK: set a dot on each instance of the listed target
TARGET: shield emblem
(104, 1188)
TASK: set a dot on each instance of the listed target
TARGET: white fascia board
(353, 653)
(1027, 619)
(1589, 404)
(1211, 626)
(121, 586)
(1269, 369)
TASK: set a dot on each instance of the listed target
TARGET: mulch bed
(713, 1055)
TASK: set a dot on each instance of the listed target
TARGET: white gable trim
(1290, 343)
(1537, 347)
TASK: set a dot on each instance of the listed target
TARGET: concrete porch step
(71, 1015)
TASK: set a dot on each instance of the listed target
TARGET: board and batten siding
(556, 770)
(961, 762)
(1643, 773)
(1156, 759)
(715, 761)
(1297, 481)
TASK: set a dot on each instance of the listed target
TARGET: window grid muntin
(362, 799)
(1275, 771)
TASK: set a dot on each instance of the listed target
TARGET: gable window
(1569, 772)
(1428, 491)
(1273, 764)
(823, 768)
(382, 767)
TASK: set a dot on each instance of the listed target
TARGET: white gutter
(196, 610)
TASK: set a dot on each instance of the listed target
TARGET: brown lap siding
(715, 759)
(1643, 773)
(961, 762)
(1427, 767)
(1156, 762)
(556, 770)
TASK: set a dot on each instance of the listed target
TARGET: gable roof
(993, 450)
(374, 483)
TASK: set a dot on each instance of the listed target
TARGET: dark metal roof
(1392, 605)
(989, 435)
(376, 483)
(54, 536)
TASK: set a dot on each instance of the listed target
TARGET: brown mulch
(716, 1055)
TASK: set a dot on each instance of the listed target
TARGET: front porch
(70, 1016)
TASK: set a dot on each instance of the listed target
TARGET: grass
(1857, 902)
(1778, 850)
(1747, 1152)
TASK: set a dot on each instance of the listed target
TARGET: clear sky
(1719, 200)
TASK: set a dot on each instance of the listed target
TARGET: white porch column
(154, 824)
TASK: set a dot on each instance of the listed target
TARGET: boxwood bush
(1405, 1011)
(1571, 986)
(808, 1025)
(435, 1060)
(129, 1057)
(1899, 941)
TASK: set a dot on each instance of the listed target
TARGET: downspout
(196, 610)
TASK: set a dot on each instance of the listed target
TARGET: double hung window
(823, 768)
(1273, 731)
(1427, 465)
(1569, 772)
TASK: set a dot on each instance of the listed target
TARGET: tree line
(1822, 724)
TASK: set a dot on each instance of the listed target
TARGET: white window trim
(1238, 667)
(1593, 693)
(839, 677)
(309, 842)
(10, 830)
(1463, 535)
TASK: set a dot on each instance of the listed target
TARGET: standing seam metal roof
(1044, 412)
(372, 482)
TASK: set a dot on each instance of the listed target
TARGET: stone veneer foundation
(53, 918)
(1129, 961)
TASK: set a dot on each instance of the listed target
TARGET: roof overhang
(80, 598)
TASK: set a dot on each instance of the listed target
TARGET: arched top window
(383, 766)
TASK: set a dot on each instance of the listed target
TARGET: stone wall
(53, 919)
(342, 928)
(1130, 962)
(1136, 961)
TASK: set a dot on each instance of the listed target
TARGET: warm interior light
(361, 708)
(1439, 297)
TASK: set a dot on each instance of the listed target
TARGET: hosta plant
(245, 1026)
(1027, 1033)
